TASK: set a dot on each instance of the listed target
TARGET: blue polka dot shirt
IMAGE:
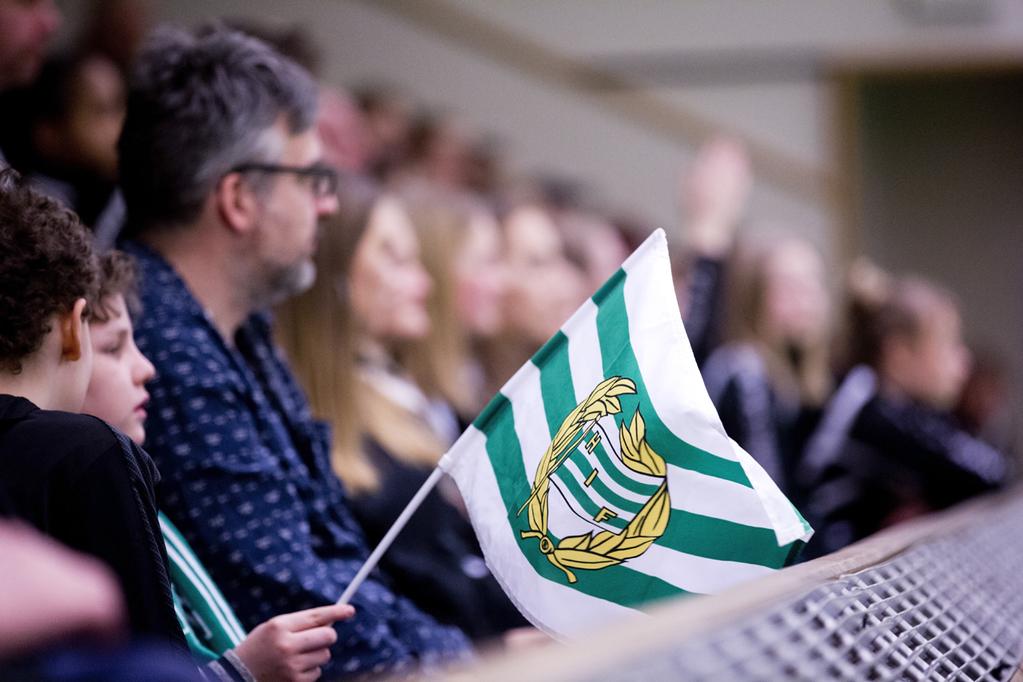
(247, 478)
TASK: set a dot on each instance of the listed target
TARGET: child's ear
(72, 332)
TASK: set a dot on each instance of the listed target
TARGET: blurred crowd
(409, 275)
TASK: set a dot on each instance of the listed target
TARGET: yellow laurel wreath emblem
(591, 551)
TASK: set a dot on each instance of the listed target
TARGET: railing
(935, 599)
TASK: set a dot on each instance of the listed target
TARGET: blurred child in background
(886, 449)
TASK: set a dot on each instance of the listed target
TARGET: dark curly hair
(118, 275)
(46, 264)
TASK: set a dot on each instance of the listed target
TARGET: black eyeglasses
(322, 178)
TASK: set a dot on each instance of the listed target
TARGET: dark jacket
(702, 314)
(436, 559)
(81, 482)
(875, 460)
(770, 428)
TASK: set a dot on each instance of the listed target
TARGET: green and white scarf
(209, 623)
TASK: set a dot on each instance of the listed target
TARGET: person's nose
(326, 205)
(144, 371)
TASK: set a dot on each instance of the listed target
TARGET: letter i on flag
(600, 480)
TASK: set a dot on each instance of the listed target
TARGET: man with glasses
(224, 186)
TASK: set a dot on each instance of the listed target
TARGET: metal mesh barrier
(941, 599)
(949, 609)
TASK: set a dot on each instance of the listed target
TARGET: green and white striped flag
(600, 478)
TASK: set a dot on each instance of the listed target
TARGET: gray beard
(287, 282)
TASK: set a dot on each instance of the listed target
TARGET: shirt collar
(158, 275)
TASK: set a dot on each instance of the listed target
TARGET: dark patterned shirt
(247, 479)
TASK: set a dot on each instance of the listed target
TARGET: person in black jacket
(75, 477)
(71, 476)
(887, 449)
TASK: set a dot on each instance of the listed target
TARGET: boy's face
(116, 391)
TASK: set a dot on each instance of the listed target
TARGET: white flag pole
(388, 538)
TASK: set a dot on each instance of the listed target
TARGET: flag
(600, 480)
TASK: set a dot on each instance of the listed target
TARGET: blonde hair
(746, 288)
(319, 332)
(442, 220)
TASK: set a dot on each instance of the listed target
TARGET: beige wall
(914, 211)
(544, 128)
(942, 176)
